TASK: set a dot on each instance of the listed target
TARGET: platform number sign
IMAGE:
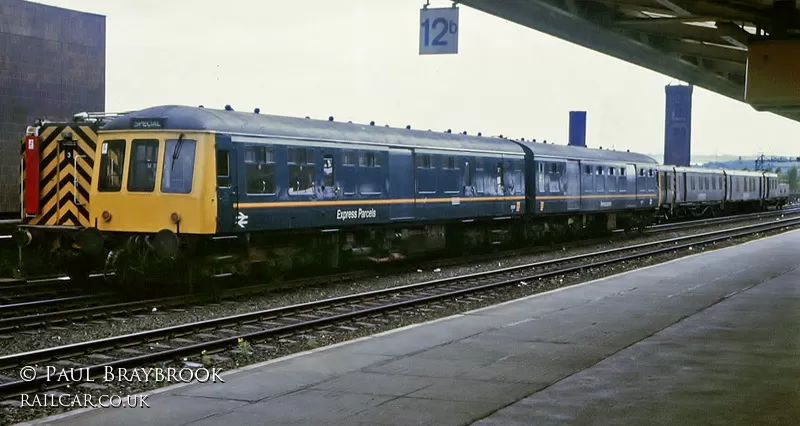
(438, 31)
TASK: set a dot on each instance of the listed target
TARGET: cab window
(144, 160)
(112, 165)
(178, 166)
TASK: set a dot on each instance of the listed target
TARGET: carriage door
(402, 185)
(572, 180)
(228, 217)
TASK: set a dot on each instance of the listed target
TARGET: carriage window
(259, 169)
(693, 184)
(349, 158)
(301, 171)
(176, 177)
(370, 159)
(223, 169)
(144, 160)
(611, 171)
(449, 163)
(424, 161)
(600, 184)
(708, 184)
(479, 176)
(519, 185)
(587, 170)
(622, 171)
(327, 171)
(112, 164)
(713, 184)
(499, 178)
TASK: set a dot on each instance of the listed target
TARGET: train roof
(682, 169)
(233, 122)
(581, 153)
(178, 117)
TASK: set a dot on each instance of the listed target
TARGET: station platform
(713, 338)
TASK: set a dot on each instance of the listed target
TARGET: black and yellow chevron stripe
(62, 204)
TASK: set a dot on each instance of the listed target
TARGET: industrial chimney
(577, 128)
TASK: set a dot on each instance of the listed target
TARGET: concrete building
(52, 65)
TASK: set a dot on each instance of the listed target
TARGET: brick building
(52, 65)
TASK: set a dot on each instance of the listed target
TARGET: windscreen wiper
(177, 151)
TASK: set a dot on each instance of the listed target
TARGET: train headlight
(175, 217)
(106, 216)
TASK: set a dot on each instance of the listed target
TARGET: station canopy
(748, 50)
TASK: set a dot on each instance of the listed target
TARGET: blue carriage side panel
(514, 186)
(426, 185)
(262, 185)
(572, 189)
(400, 177)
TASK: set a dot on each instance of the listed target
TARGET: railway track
(55, 312)
(122, 309)
(719, 220)
(189, 340)
(19, 291)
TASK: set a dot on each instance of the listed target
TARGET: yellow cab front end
(147, 182)
(153, 200)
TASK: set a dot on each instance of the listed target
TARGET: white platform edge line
(397, 330)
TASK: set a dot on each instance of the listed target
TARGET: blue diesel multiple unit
(202, 192)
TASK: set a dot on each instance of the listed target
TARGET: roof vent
(371, 123)
(601, 147)
(501, 136)
(308, 117)
(449, 131)
(464, 132)
(544, 141)
(523, 139)
(534, 140)
(349, 121)
(228, 108)
(479, 134)
(200, 106)
(408, 127)
(330, 118)
(257, 110)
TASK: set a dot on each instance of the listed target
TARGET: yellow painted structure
(151, 211)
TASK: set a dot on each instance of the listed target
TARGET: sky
(358, 60)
